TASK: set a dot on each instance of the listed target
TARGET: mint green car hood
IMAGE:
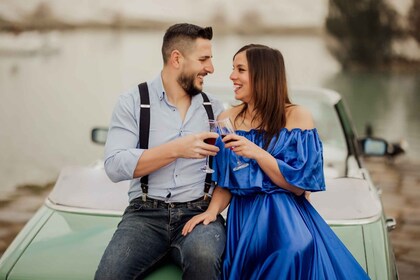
(69, 246)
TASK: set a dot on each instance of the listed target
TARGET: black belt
(160, 203)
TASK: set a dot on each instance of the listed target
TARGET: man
(151, 226)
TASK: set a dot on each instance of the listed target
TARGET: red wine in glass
(225, 128)
(210, 141)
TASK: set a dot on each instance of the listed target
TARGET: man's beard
(187, 83)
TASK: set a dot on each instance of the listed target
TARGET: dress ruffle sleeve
(300, 159)
(298, 154)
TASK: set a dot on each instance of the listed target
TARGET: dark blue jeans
(150, 231)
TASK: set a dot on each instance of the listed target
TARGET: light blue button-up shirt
(179, 181)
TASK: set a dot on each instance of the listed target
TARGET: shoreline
(220, 29)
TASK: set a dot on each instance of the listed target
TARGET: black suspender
(210, 115)
(144, 129)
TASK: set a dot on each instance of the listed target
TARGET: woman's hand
(242, 146)
(205, 218)
(307, 195)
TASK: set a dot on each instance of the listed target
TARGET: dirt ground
(17, 209)
(399, 180)
(400, 185)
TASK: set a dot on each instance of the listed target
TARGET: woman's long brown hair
(267, 76)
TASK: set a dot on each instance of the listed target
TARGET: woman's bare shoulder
(224, 114)
(298, 116)
(229, 113)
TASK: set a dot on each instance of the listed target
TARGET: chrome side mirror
(374, 146)
(99, 134)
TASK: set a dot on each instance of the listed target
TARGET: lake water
(56, 86)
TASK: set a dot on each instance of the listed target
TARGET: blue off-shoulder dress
(272, 233)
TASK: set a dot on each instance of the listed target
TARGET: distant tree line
(364, 31)
(414, 20)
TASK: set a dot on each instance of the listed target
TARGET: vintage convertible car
(65, 239)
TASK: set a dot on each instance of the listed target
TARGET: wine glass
(212, 141)
(225, 128)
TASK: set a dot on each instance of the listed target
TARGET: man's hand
(193, 146)
(190, 146)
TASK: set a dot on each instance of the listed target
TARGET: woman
(273, 232)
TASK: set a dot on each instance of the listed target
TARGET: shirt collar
(157, 85)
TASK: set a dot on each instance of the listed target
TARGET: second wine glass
(212, 128)
(225, 128)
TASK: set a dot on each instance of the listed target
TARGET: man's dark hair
(181, 36)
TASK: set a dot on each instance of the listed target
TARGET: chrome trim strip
(78, 210)
(354, 222)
